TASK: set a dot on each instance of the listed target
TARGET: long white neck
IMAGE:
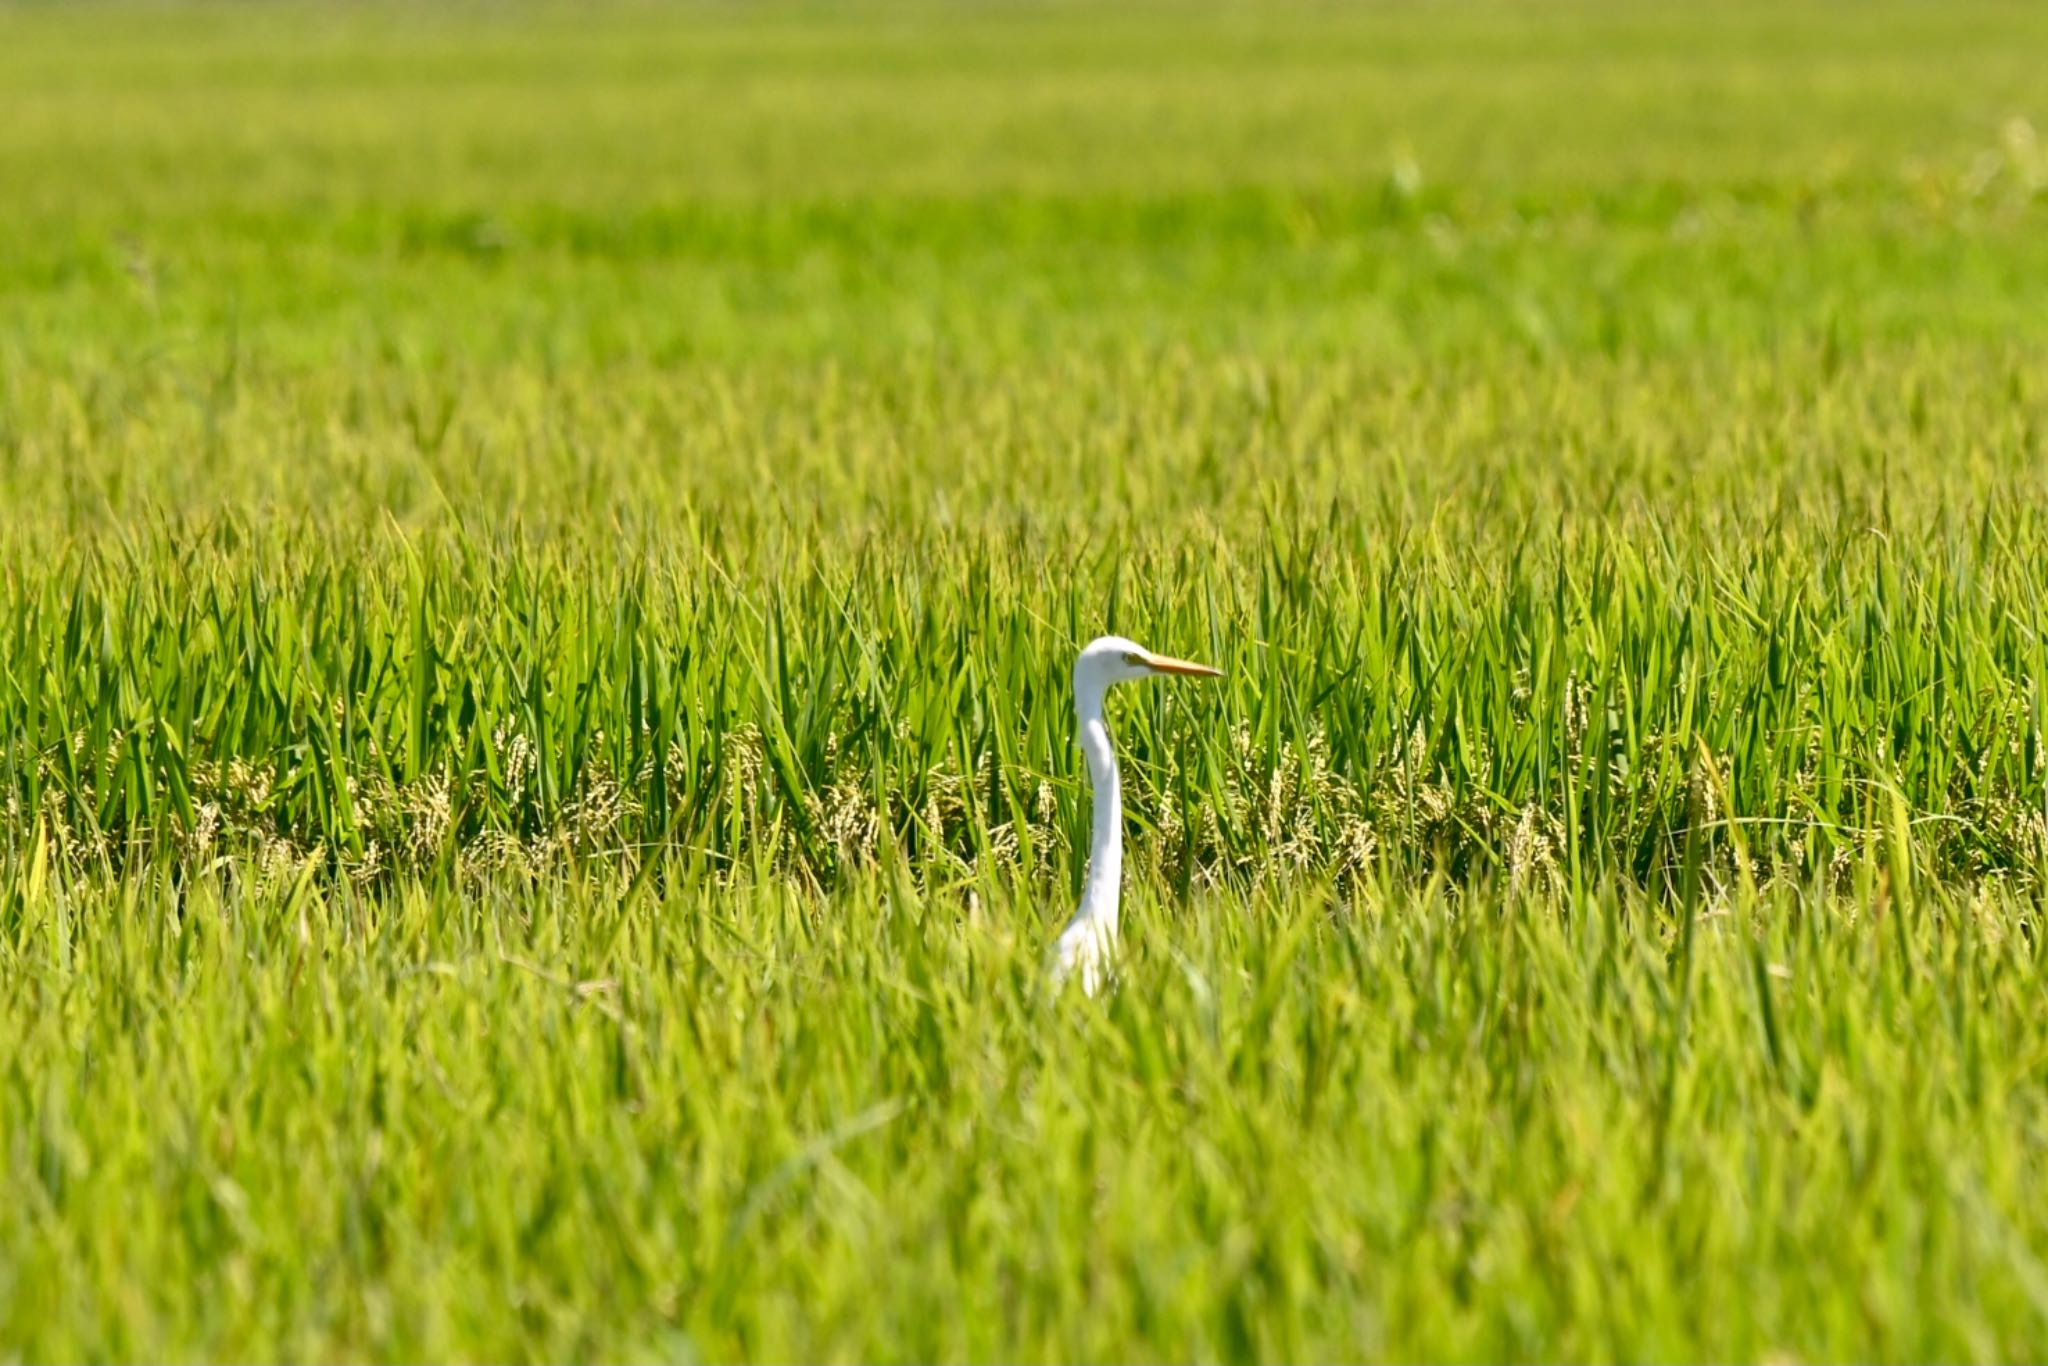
(1099, 895)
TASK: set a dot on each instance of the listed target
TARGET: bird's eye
(1134, 659)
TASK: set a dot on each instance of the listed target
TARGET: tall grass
(1565, 709)
(563, 1120)
(1509, 629)
(540, 556)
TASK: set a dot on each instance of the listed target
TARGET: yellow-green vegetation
(540, 555)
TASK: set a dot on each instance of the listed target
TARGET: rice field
(541, 553)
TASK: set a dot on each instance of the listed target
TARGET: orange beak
(1167, 664)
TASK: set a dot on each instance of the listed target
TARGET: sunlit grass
(561, 1120)
(540, 562)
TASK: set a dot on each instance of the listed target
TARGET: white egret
(1088, 943)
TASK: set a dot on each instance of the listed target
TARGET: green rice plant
(1549, 710)
(559, 1118)
(540, 558)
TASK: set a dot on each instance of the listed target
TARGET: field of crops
(541, 553)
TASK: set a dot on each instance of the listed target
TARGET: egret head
(1112, 659)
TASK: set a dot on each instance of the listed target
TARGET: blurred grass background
(401, 245)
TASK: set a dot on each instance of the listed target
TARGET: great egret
(1089, 941)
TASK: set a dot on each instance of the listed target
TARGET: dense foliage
(540, 554)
